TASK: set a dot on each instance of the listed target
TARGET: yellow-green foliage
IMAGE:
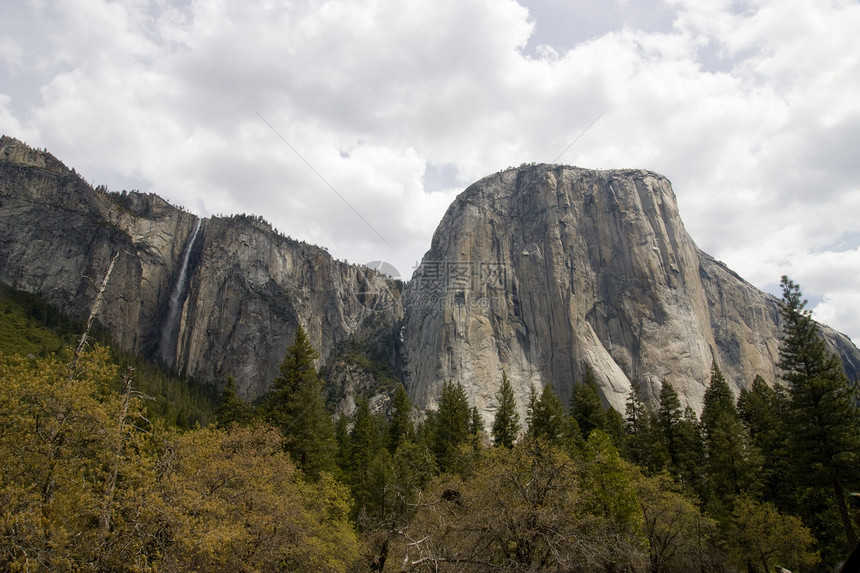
(31, 327)
(235, 502)
(28, 326)
(527, 508)
(87, 482)
(761, 535)
(678, 536)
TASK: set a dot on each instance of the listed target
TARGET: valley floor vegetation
(97, 477)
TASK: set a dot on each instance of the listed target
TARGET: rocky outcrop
(537, 272)
(542, 270)
(247, 287)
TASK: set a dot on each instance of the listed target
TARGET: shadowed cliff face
(541, 270)
(246, 287)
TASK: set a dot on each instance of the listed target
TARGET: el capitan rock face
(536, 271)
(542, 270)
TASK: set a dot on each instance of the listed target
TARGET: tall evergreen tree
(401, 428)
(669, 415)
(297, 407)
(546, 419)
(341, 438)
(822, 405)
(506, 423)
(732, 463)
(585, 405)
(689, 448)
(476, 422)
(614, 427)
(680, 437)
(643, 444)
(764, 411)
(477, 438)
(636, 413)
(451, 425)
(365, 444)
(719, 400)
(232, 409)
(761, 407)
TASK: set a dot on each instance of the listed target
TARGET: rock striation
(247, 288)
(542, 270)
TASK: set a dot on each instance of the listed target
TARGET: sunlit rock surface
(542, 270)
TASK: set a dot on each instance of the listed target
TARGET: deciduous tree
(524, 509)
(679, 536)
(760, 535)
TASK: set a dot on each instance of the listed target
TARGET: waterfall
(170, 330)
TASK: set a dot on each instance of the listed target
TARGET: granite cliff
(542, 270)
(537, 271)
(245, 287)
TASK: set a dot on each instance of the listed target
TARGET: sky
(352, 124)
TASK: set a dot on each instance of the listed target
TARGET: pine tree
(636, 413)
(732, 464)
(546, 419)
(585, 405)
(450, 425)
(341, 438)
(614, 427)
(763, 411)
(231, 408)
(642, 435)
(297, 407)
(401, 428)
(718, 401)
(476, 422)
(689, 448)
(822, 407)
(506, 423)
(680, 437)
(668, 417)
(365, 443)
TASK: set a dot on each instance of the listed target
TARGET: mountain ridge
(580, 267)
(59, 233)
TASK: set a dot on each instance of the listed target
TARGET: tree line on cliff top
(94, 479)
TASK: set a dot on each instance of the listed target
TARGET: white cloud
(840, 308)
(749, 108)
(11, 52)
(9, 124)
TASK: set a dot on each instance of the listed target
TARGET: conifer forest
(110, 464)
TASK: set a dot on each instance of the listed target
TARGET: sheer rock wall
(542, 270)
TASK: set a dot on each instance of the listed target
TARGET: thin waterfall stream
(170, 331)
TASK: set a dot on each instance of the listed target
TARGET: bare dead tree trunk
(92, 317)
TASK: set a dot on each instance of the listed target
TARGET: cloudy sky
(353, 123)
